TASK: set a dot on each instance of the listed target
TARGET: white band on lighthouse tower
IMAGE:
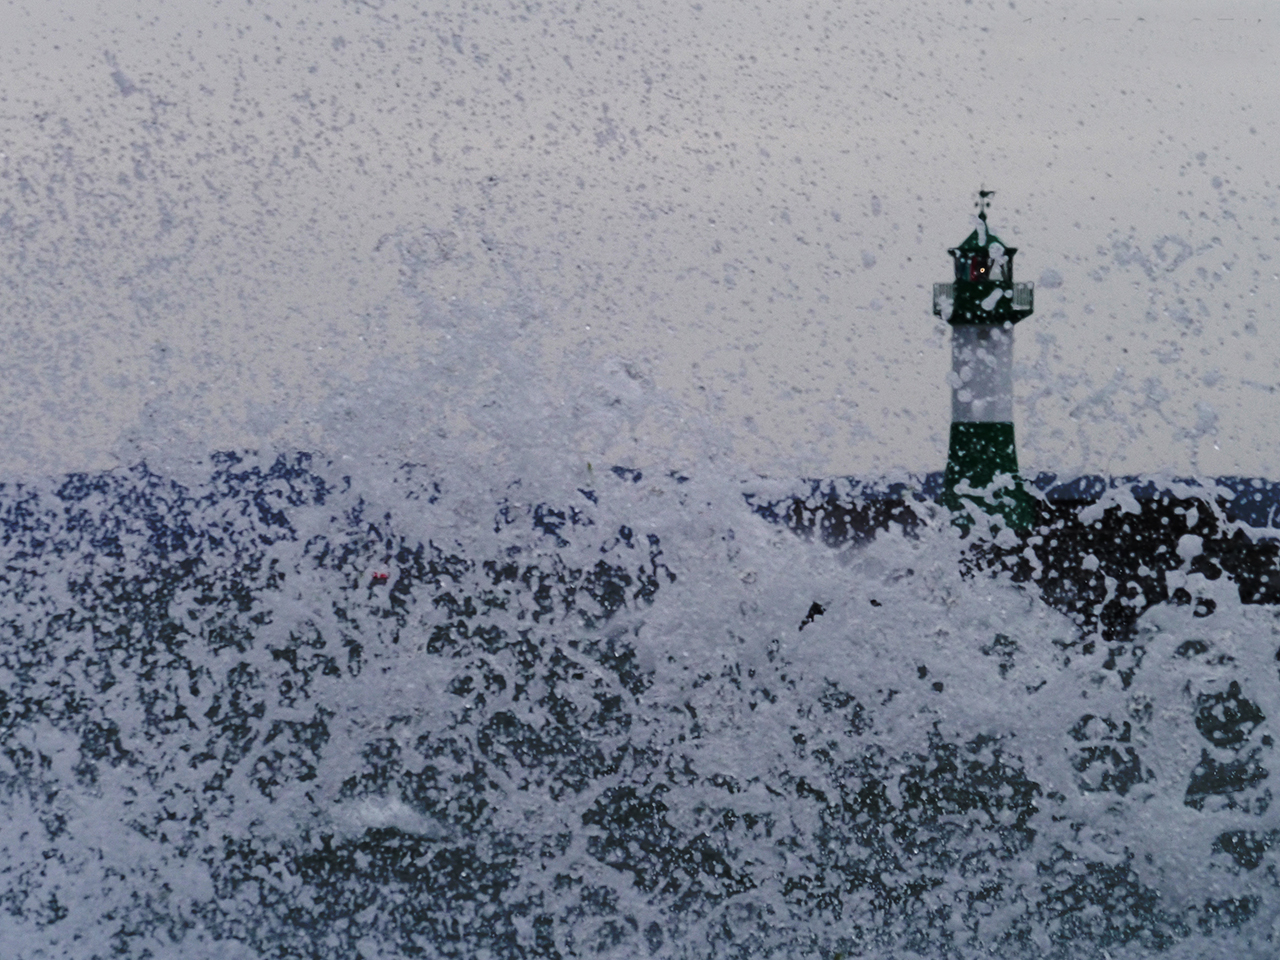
(981, 374)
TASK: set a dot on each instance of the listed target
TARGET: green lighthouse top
(983, 291)
(981, 239)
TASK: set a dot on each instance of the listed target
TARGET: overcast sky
(213, 216)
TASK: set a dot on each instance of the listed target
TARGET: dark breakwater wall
(1102, 550)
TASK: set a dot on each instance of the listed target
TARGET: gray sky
(217, 217)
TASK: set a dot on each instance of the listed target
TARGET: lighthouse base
(981, 453)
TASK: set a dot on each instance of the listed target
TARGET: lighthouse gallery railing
(1023, 296)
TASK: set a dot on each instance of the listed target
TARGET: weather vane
(982, 202)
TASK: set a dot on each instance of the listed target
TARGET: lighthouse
(982, 305)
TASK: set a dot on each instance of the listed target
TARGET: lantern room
(983, 291)
(977, 262)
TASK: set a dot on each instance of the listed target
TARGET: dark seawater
(287, 712)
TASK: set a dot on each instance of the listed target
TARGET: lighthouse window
(974, 266)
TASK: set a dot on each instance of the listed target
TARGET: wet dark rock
(1212, 777)
(1106, 759)
(1227, 718)
(1248, 848)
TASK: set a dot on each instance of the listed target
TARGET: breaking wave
(279, 710)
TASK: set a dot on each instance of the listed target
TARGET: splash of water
(293, 711)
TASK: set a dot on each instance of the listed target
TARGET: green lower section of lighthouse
(981, 452)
